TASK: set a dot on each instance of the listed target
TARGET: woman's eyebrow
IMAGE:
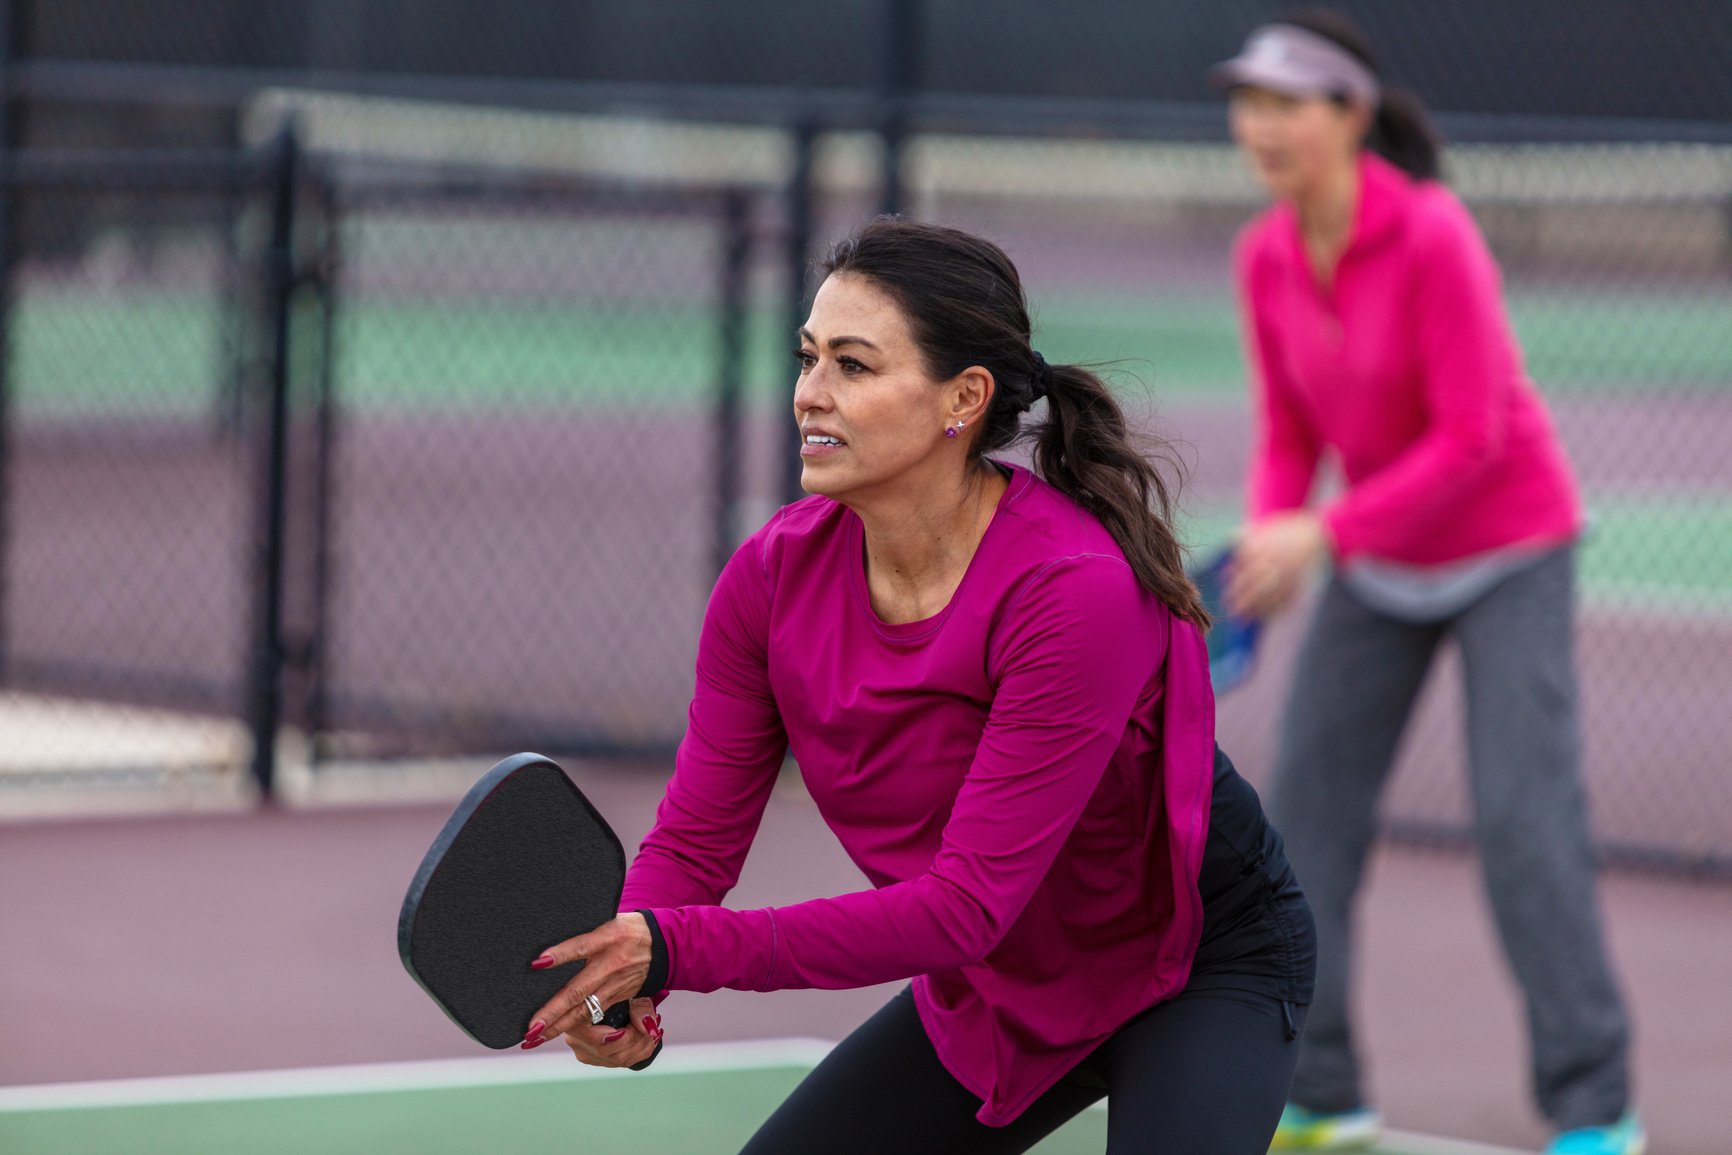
(837, 342)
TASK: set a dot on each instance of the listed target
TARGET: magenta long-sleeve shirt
(1024, 779)
(1405, 367)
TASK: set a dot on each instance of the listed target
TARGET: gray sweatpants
(1357, 676)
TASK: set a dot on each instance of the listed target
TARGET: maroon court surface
(267, 940)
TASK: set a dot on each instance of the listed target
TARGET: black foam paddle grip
(653, 1056)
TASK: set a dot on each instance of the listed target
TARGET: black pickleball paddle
(524, 862)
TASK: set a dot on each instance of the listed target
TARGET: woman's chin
(1278, 180)
(820, 481)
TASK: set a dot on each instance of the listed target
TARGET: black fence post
(797, 253)
(314, 649)
(737, 241)
(901, 66)
(11, 50)
(265, 680)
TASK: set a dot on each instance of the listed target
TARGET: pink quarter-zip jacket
(1024, 779)
(1407, 369)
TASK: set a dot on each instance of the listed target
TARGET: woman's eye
(806, 358)
(850, 366)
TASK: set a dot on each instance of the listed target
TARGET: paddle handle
(618, 1016)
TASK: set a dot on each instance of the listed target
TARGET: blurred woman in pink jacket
(1377, 333)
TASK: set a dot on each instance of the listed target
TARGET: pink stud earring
(951, 433)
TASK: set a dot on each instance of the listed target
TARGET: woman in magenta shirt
(995, 684)
(1378, 335)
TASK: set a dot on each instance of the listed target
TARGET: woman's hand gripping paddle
(523, 863)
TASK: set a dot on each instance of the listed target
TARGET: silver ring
(595, 1011)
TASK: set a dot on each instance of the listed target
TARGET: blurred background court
(382, 384)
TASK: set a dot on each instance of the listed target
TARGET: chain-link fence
(540, 369)
(530, 464)
(1597, 58)
(350, 461)
(1618, 271)
(132, 352)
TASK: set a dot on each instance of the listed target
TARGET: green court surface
(116, 354)
(1659, 552)
(1640, 554)
(699, 1099)
(165, 352)
(1573, 343)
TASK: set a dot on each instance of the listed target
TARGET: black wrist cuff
(658, 972)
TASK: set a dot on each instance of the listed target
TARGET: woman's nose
(1250, 127)
(810, 390)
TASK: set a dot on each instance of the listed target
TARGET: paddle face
(1232, 640)
(524, 862)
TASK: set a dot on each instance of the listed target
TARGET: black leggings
(1204, 1074)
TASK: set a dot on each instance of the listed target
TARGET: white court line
(1410, 1144)
(499, 1071)
(370, 1078)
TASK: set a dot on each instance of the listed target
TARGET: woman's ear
(1363, 117)
(972, 394)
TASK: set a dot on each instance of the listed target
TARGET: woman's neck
(918, 551)
(1326, 212)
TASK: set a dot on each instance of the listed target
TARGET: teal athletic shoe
(1302, 1130)
(1625, 1137)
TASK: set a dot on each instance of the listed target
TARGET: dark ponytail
(1084, 450)
(964, 304)
(1402, 135)
(1401, 132)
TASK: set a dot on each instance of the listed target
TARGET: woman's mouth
(820, 445)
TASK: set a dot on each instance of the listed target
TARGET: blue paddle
(1232, 640)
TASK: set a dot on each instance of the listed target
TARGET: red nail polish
(542, 963)
(535, 1029)
(613, 1038)
(531, 1044)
